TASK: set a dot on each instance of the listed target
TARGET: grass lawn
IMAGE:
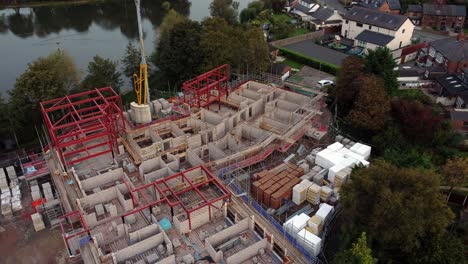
(293, 64)
(298, 31)
(280, 18)
(466, 31)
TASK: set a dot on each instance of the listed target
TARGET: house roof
(459, 115)
(322, 14)
(376, 4)
(452, 85)
(415, 8)
(374, 38)
(309, 1)
(444, 10)
(452, 48)
(302, 9)
(375, 18)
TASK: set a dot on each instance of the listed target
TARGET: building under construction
(178, 190)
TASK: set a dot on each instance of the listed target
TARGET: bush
(314, 63)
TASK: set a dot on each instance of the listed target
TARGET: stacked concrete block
(3, 180)
(299, 193)
(35, 193)
(16, 199)
(325, 193)
(47, 189)
(315, 225)
(6, 202)
(313, 194)
(37, 222)
(99, 209)
(11, 173)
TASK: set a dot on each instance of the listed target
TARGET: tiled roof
(452, 85)
(451, 48)
(459, 115)
(375, 18)
(415, 8)
(376, 4)
(374, 38)
(322, 14)
(444, 10)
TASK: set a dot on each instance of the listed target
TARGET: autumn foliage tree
(401, 209)
(418, 122)
(371, 107)
(456, 172)
(346, 88)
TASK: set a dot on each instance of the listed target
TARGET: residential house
(452, 90)
(459, 120)
(451, 53)
(281, 70)
(370, 28)
(316, 15)
(437, 16)
(391, 6)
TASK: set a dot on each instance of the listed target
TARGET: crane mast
(141, 81)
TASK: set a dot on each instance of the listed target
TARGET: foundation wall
(193, 158)
(138, 248)
(247, 253)
(99, 198)
(228, 233)
(101, 179)
(169, 260)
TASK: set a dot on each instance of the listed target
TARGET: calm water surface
(82, 30)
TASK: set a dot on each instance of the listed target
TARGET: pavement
(426, 36)
(310, 49)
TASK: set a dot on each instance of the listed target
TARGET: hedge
(314, 63)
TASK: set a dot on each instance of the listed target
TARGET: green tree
(456, 172)
(372, 107)
(102, 73)
(5, 122)
(247, 14)
(225, 9)
(45, 78)
(360, 253)
(400, 209)
(255, 53)
(224, 49)
(346, 88)
(281, 29)
(171, 19)
(381, 63)
(276, 5)
(178, 55)
(131, 60)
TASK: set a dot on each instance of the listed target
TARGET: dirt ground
(19, 243)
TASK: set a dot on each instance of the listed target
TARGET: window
(346, 21)
(403, 31)
(432, 52)
(359, 24)
(370, 27)
(362, 44)
(400, 43)
(460, 18)
(465, 124)
(439, 58)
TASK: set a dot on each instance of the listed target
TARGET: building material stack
(313, 194)
(47, 189)
(35, 192)
(16, 204)
(37, 222)
(325, 193)
(272, 186)
(309, 241)
(12, 175)
(315, 225)
(296, 223)
(6, 202)
(299, 194)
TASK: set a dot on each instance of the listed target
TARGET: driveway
(310, 49)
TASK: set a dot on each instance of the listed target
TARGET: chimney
(461, 37)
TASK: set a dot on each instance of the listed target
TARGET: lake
(82, 30)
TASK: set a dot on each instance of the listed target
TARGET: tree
(360, 253)
(255, 54)
(276, 5)
(247, 14)
(281, 29)
(178, 55)
(381, 63)
(225, 9)
(346, 88)
(400, 209)
(224, 49)
(418, 122)
(371, 108)
(102, 73)
(171, 19)
(45, 78)
(131, 60)
(456, 172)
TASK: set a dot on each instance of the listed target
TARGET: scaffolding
(86, 124)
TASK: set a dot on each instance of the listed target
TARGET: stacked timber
(272, 186)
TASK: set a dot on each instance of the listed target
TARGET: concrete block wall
(251, 94)
(215, 152)
(98, 198)
(150, 165)
(285, 105)
(126, 204)
(138, 248)
(194, 141)
(217, 256)
(258, 87)
(228, 233)
(275, 124)
(158, 174)
(248, 253)
(194, 173)
(101, 179)
(143, 233)
(168, 260)
(193, 158)
(176, 130)
(294, 98)
(172, 162)
(211, 117)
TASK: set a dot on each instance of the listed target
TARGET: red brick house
(440, 17)
(451, 53)
(390, 6)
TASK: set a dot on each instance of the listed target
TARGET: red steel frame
(66, 237)
(74, 121)
(193, 187)
(198, 92)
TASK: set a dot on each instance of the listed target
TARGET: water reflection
(43, 21)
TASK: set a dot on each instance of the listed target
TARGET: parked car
(323, 83)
